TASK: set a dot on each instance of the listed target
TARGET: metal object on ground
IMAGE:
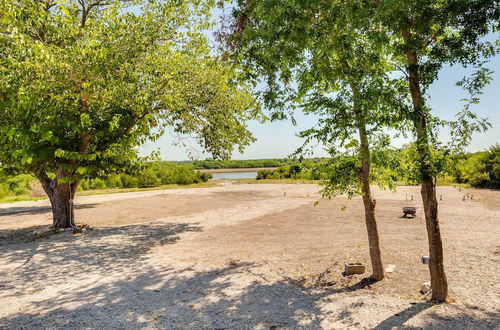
(354, 268)
(425, 287)
(409, 210)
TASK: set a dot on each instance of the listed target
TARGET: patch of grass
(125, 190)
(12, 199)
(22, 198)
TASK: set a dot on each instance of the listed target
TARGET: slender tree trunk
(61, 198)
(369, 204)
(368, 201)
(439, 282)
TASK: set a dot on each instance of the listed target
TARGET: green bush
(4, 190)
(20, 184)
(150, 174)
(206, 176)
(263, 174)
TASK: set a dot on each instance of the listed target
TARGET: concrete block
(354, 268)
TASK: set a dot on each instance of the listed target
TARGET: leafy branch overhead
(85, 82)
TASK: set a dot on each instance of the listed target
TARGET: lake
(234, 175)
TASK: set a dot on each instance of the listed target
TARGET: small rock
(390, 268)
(425, 288)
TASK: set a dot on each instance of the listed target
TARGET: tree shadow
(189, 300)
(459, 318)
(63, 255)
(398, 319)
(36, 210)
(105, 278)
(25, 235)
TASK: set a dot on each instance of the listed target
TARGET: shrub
(206, 176)
(20, 184)
(4, 190)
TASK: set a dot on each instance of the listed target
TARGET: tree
(84, 82)
(321, 56)
(427, 35)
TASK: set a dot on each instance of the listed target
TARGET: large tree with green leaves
(84, 82)
(428, 35)
(323, 57)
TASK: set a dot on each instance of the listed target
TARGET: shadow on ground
(461, 318)
(34, 210)
(63, 257)
(103, 279)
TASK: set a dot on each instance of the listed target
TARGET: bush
(97, 183)
(114, 181)
(263, 174)
(20, 184)
(4, 190)
(206, 176)
(129, 181)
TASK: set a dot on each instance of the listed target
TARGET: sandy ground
(244, 256)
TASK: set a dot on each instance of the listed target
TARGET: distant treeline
(151, 174)
(252, 163)
(478, 169)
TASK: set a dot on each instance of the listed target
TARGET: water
(234, 175)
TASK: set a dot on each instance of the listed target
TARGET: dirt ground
(243, 256)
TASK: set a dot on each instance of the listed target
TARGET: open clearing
(244, 256)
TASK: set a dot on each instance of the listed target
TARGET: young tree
(429, 34)
(321, 56)
(84, 82)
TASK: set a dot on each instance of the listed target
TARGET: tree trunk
(61, 198)
(439, 284)
(368, 201)
(369, 204)
(62, 210)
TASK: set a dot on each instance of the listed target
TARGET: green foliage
(15, 184)
(341, 176)
(151, 174)
(83, 83)
(325, 58)
(4, 190)
(480, 169)
(297, 171)
(20, 184)
(249, 163)
(428, 35)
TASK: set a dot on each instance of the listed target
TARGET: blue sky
(277, 139)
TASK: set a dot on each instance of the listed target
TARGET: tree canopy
(83, 83)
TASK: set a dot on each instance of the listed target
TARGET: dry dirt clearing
(244, 256)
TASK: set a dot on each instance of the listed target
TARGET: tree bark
(61, 199)
(439, 283)
(368, 201)
(369, 204)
